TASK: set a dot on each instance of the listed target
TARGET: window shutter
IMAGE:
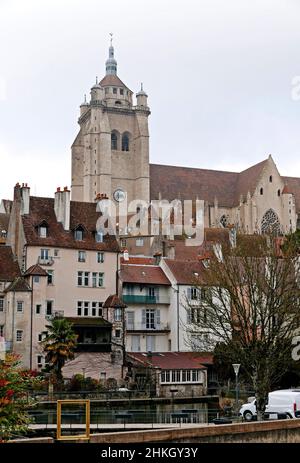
(144, 318)
(189, 293)
(130, 320)
(158, 318)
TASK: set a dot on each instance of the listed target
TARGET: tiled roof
(18, 285)
(138, 260)
(112, 79)
(36, 270)
(172, 360)
(85, 214)
(9, 267)
(114, 301)
(189, 183)
(186, 272)
(143, 274)
(227, 187)
(4, 220)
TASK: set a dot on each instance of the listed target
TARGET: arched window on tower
(125, 142)
(114, 141)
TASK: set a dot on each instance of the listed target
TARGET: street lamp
(236, 367)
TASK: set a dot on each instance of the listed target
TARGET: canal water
(129, 413)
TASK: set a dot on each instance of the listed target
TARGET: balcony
(161, 327)
(137, 299)
(43, 261)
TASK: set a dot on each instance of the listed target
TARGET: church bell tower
(110, 153)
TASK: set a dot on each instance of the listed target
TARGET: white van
(285, 401)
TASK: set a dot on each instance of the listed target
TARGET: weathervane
(111, 38)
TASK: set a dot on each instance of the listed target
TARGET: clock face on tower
(119, 195)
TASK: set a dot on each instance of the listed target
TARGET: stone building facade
(111, 151)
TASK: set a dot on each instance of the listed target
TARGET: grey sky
(218, 74)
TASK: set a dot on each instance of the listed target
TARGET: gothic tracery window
(270, 222)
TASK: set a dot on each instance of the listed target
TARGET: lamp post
(236, 367)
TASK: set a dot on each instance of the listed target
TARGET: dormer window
(99, 237)
(79, 233)
(43, 230)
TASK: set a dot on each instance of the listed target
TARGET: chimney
(22, 194)
(62, 207)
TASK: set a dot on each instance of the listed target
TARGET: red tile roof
(36, 270)
(173, 360)
(114, 301)
(18, 285)
(85, 214)
(138, 260)
(9, 267)
(143, 274)
(186, 272)
(111, 80)
(227, 187)
(4, 220)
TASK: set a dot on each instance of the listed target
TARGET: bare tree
(248, 305)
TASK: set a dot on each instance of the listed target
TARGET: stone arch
(126, 141)
(270, 222)
(115, 140)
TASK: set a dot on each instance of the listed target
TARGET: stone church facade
(110, 155)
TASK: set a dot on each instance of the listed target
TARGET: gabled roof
(186, 272)
(192, 183)
(9, 267)
(247, 180)
(143, 274)
(36, 270)
(114, 301)
(85, 214)
(18, 285)
(172, 360)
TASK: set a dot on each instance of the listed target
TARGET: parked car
(285, 401)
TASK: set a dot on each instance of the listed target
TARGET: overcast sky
(218, 74)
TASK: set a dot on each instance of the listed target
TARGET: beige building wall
(65, 291)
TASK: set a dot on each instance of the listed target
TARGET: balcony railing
(147, 327)
(137, 299)
(48, 261)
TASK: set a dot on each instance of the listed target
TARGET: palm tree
(59, 345)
